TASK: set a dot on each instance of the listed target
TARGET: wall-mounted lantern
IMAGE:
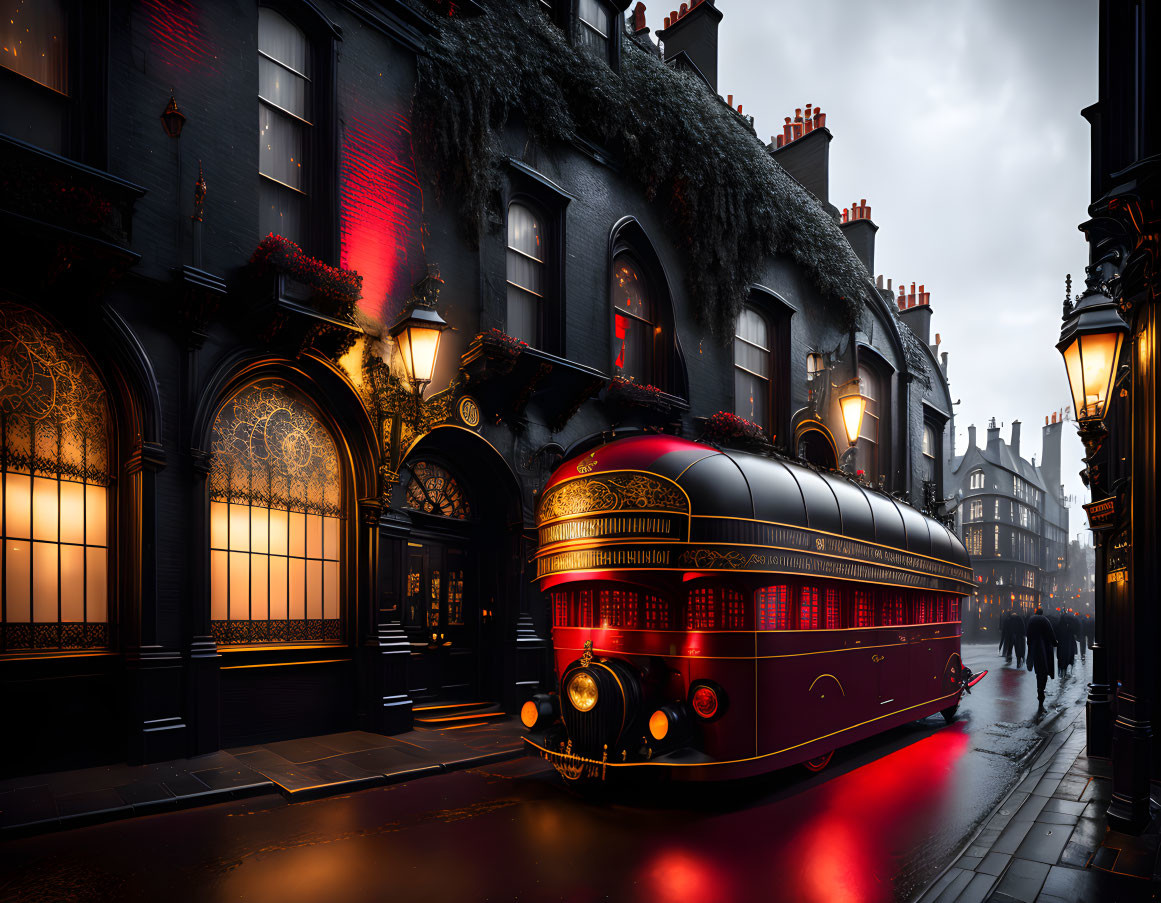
(852, 403)
(172, 119)
(418, 330)
(1090, 342)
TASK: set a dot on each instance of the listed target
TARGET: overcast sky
(960, 124)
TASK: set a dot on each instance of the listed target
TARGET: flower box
(732, 431)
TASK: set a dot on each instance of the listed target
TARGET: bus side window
(733, 610)
(808, 608)
(863, 612)
(941, 609)
(658, 614)
(560, 609)
(701, 611)
(832, 608)
(773, 608)
(584, 609)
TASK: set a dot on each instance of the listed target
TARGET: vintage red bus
(718, 614)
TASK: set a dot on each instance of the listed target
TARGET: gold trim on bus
(748, 759)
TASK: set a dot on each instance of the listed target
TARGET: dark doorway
(444, 619)
(814, 446)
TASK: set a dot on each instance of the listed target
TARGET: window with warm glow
(752, 368)
(34, 90)
(773, 607)
(808, 608)
(633, 322)
(976, 479)
(868, 444)
(433, 490)
(276, 521)
(930, 444)
(526, 273)
(284, 114)
(975, 541)
(54, 488)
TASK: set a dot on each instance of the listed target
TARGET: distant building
(1013, 519)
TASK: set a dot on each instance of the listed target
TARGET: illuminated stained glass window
(435, 491)
(863, 610)
(808, 614)
(276, 521)
(832, 609)
(54, 488)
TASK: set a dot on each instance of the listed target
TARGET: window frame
(777, 316)
(616, 26)
(320, 236)
(86, 103)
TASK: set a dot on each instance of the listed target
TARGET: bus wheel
(949, 713)
(818, 763)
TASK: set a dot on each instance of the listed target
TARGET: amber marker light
(529, 713)
(582, 691)
(704, 702)
(659, 725)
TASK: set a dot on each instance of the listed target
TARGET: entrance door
(443, 618)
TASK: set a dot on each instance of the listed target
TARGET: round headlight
(659, 725)
(704, 701)
(582, 691)
(529, 714)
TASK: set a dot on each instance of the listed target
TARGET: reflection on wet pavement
(876, 826)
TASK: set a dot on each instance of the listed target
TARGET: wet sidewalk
(298, 769)
(1048, 841)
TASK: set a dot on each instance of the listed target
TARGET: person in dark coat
(1018, 630)
(1088, 631)
(1007, 637)
(1076, 632)
(1041, 642)
(1066, 642)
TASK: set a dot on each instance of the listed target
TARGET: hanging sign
(1102, 515)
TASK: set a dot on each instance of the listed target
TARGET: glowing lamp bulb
(853, 406)
(582, 691)
(658, 725)
(529, 713)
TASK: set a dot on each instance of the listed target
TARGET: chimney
(860, 231)
(993, 436)
(915, 311)
(1015, 443)
(639, 27)
(803, 150)
(972, 436)
(1050, 455)
(694, 32)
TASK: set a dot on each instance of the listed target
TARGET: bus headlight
(582, 691)
(659, 724)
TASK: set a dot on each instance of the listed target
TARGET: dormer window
(976, 479)
(593, 26)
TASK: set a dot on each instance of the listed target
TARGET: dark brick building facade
(227, 518)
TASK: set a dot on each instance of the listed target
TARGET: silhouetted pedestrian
(1073, 638)
(1007, 637)
(1018, 632)
(1041, 642)
(1088, 631)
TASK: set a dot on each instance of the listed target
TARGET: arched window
(435, 491)
(976, 481)
(284, 124)
(54, 488)
(527, 282)
(276, 520)
(634, 322)
(752, 368)
(929, 452)
(868, 444)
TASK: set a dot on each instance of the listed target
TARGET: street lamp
(853, 403)
(1090, 342)
(172, 119)
(417, 331)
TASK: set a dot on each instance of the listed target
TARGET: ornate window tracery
(276, 520)
(435, 491)
(54, 488)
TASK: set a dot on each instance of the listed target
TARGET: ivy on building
(732, 206)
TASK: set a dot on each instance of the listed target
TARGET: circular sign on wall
(469, 411)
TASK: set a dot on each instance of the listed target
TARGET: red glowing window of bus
(832, 609)
(584, 609)
(941, 609)
(953, 610)
(560, 609)
(701, 612)
(808, 608)
(733, 610)
(773, 608)
(618, 608)
(898, 610)
(658, 614)
(863, 611)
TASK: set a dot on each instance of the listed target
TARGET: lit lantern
(852, 404)
(1090, 342)
(418, 329)
(172, 119)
